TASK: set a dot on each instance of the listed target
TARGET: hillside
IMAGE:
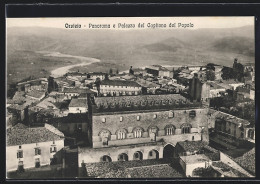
(241, 45)
(122, 49)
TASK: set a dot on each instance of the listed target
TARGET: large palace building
(143, 127)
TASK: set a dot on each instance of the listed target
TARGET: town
(155, 121)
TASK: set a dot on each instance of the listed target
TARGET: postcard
(130, 97)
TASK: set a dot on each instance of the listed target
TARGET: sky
(198, 22)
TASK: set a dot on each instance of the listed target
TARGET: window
(53, 149)
(79, 126)
(153, 129)
(20, 154)
(169, 130)
(20, 147)
(136, 155)
(151, 153)
(121, 118)
(37, 162)
(138, 118)
(103, 120)
(192, 113)
(154, 116)
(138, 132)
(171, 114)
(37, 151)
(121, 134)
(185, 128)
(105, 134)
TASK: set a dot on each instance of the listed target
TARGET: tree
(210, 74)
(238, 71)
(98, 82)
(227, 73)
(106, 77)
(110, 71)
(210, 66)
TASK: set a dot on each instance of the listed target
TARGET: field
(22, 64)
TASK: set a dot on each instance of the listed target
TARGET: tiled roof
(19, 96)
(21, 134)
(120, 83)
(17, 107)
(231, 81)
(213, 85)
(192, 159)
(77, 90)
(147, 84)
(97, 73)
(71, 118)
(78, 103)
(232, 119)
(36, 93)
(121, 103)
(46, 104)
(190, 146)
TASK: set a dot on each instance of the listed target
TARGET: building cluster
(145, 114)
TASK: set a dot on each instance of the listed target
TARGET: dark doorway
(168, 151)
(138, 155)
(106, 158)
(123, 157)
(153, 154)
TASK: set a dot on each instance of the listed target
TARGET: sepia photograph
(130, 97)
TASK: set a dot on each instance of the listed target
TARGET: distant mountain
(132, 45)
(240, 45)
(168, 45)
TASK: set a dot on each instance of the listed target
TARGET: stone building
(119, 87)
(229, 130)
(119, 134)
(32, 147)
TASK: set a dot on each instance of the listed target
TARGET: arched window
(185, 128)
(153, 129)
(122, 157)
(121, 134)
(170, 130)
(105, 134)
(105, 158)
(138, 155)
(138, 132)
(153, 154)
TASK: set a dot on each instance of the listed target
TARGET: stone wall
(160, 119)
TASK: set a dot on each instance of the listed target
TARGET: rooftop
(193, 159)
(120, 83)
(232, 119)
(71, 118)
(47, 103)
(21, 134)
(147, 84)
(214, 85)
(77, 90)
(190, 146)
(36, 93)
(231, 81)
(78, 103)
(97, 73)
